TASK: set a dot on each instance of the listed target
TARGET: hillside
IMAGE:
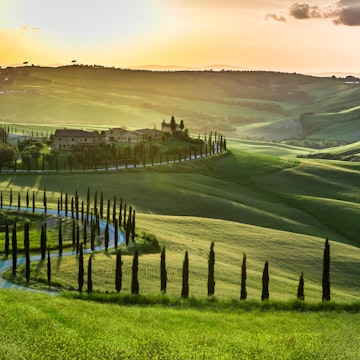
(262, 105)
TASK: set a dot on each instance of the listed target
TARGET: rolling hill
(241, 104)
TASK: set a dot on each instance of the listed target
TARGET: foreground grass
(41, 326)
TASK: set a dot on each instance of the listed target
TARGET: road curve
(5, 265)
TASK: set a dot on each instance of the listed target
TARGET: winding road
(5, 265)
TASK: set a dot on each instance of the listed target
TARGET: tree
(27, 198)
(43, 242)
(182, 125)
(7, 239)
(134, 278)
(48, 267)
(89, 276)
(243, 292)
(185, 277)
(14, 250)
(326, 272)
(163, 271)
(81, 268)
(45, 201)
(101, 204)
(60, 239)
(300, 291)
(19, 201)
(114, 210)
(133, 227)
(7, 154)
(27, 251)
(116, 234)
(173, 125)
(265, 282)
(211, 268)
(118, 275)
(106, 236)
(33, 201)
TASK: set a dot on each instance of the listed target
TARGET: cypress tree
(60, 239)
(243, 292)
(134, 277)
(33, 201)
(7, 239)
(27, 198)
(1, 200)
(118, 275)
(81, 268)
(108, 211)
(163, 271)
(300, 291)
(124, 218)
(88, 196)
(73, 236)
(72, 207)
(45, 201)
(92, 236)
(43, 242)
(27, 251)
(133, 227)
(211, 268)
(114, 211)
(10, 197)
(116, 234)
(58, 207)
(101, 204)
(61, 199)
(120, 212)
(82, 211)
(14, 250)
(19, 201)
(95, 201)
(66, 205)
(326, 272)
(85, 232)
(185, 277)
(106, 236)
(77, 238)
(265, 282)
(48, 267)
(89, 276)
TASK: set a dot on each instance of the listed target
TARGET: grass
(68, 328)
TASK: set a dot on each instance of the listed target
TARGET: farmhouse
(116, 134)
(67, 138)
(166, 127)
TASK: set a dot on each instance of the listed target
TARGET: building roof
(74, 133)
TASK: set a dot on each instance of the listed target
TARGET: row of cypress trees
(211, 275)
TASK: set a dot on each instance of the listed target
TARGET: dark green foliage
(43, 242)
(326, 272)
(81, 268)
(120, 211)
(163, 271)
(118, 275)
(27, 251)
(300, 291)
(77, 239)
(60, 239)
(66, 205)
(45, 201)
(48, 267)
(108, 211)
(133, 227)
(7, 239)
(33, 201)
(243, 292)
(14, 250)
(85, 232)
(134, 277)
(72, 207)
(116, 234)
(185, 277)
(19, 201)
(106, 236)
(265, 282)
(114, 211)
(73, 236)
(128, 227)
(11, 197)
(124, 220)
(89, 276)
(101, 205)
(92, 235)
(211, 271)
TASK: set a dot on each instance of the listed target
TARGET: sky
(306, 37)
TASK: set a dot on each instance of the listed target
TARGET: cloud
(343, 12)
(348, 13)
(275, 17)
(304, 11)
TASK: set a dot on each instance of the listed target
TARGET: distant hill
(241, 104)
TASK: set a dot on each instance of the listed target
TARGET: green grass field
(43, 326)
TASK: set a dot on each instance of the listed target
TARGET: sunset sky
(316, 36)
